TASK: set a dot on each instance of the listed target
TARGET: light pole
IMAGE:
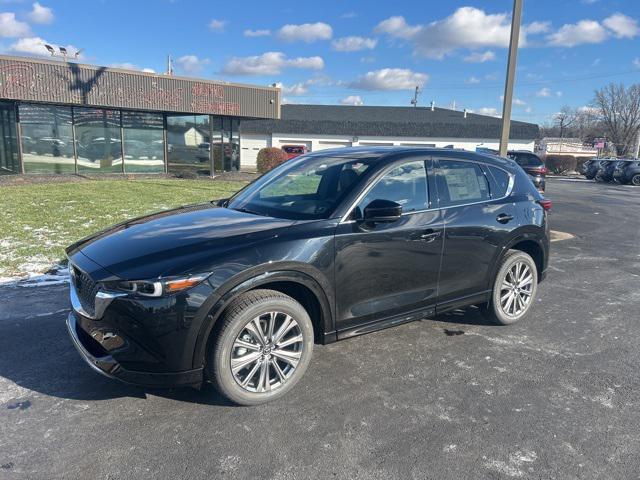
(511, 74)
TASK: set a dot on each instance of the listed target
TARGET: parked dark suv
(324, 247)
(531, 164)
(591, 168)
(627, 171)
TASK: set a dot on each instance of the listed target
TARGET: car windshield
(305, 188)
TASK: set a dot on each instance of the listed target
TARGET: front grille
(86, 290)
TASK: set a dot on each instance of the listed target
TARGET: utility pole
(511, 74)
(414, 101)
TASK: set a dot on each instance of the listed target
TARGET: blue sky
(353, 51)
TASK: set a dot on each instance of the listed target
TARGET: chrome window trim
(512, 181)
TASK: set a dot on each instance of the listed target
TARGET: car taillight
(546, 204)
(544, 170)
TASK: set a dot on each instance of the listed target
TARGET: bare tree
(619, 108)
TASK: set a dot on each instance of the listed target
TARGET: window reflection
(9, 159)
(189, 144)
(143, 142)
(47, 138)
(98, 143)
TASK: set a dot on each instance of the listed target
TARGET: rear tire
(262, 348)
(514, 289)
(635, 180)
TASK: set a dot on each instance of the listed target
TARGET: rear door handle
(430, 235)
(504, 218)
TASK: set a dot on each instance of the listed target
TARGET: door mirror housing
(382, 211)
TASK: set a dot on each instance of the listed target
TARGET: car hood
(175, 242)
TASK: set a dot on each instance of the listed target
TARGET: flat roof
(59, 82)
(385, 121)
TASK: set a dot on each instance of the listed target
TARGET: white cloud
(467, 28)
(354, 44)
(491, 111)
(131, 66)
(480, 57)
(390, 79)
(11, 27)
(528, 110)
(472, 80)
(217, 25)
(397, 27)
(544, 92)
(622, 26)
(572, 34)
(270, 63)
(352, 100)
(36, 46)
(191, 64)
(41, 14)
(349, 15)
(537, 27)
(636, 62)
(558, 94)
(306, 32)
(257, 33)
(296, 89)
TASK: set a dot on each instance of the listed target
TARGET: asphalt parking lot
(557, 396)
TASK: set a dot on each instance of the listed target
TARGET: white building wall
(321, 142)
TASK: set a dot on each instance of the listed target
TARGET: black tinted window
(405, 184)
(460, 183)
(526, 159)
(500, 182)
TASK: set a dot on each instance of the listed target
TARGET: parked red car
(294, 150)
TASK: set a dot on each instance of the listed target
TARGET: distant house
(320, 127)
(565, 146)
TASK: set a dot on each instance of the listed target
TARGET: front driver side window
(405, 184)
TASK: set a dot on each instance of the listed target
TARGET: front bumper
(102, 362)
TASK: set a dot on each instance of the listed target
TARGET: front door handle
(504, 218)
(430, 235)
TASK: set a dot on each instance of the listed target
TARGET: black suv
(324, 247)
(531, 164)
(627, 171)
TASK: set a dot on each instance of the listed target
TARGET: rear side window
(499, 181)
(460, 183)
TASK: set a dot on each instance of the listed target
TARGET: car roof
(389, 152)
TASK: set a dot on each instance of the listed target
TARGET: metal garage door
(250, 146)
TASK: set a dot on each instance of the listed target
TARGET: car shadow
(37, 355)
(464, 316)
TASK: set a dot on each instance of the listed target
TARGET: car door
(387, 269)
(476, 223)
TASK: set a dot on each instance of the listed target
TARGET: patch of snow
(58, 276)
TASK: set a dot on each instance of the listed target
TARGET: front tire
(514, 289)
(262, 348)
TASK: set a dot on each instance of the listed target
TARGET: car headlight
(157, 288)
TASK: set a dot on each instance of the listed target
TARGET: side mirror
(382, 211)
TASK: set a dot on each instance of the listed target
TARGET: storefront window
(189, 144)
(9, 158)
(216, 144)
(143, 142)
(98, 143)
(47, 138)
(235, 145)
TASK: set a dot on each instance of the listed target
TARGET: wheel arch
(299, 285)
(528, 242)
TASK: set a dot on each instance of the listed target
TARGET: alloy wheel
(516, 289)
(636, 180)
(266, 352)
